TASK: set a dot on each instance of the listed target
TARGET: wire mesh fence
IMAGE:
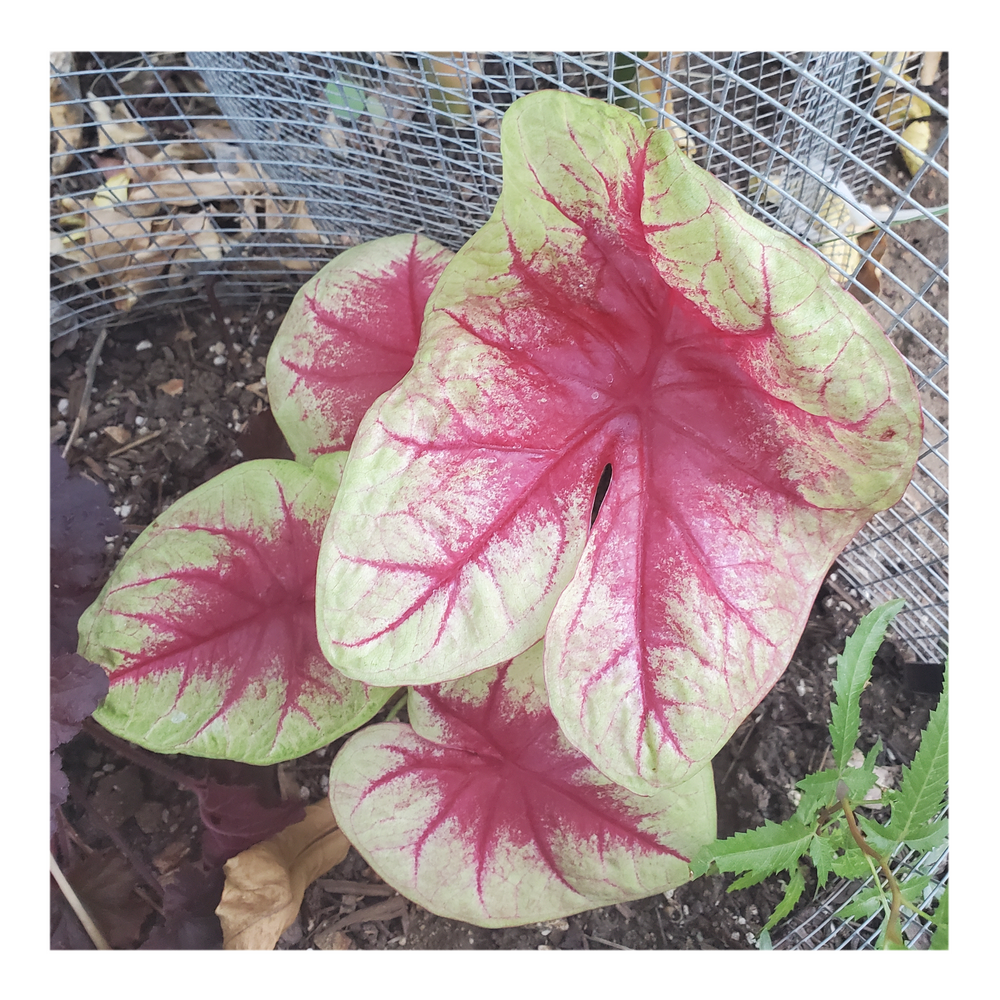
(250, 171)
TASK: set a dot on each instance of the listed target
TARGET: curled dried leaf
(265, 884)
(115, 127)
(67, 121)
(869, 276)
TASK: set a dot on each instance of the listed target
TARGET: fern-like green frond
(854, 668)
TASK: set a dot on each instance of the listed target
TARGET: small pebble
(144, 345)
(63, 406)
(218, 360)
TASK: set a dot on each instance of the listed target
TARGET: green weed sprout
(827, 828)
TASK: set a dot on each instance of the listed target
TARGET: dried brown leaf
(67, 121)
(265, 884)
(120, 435)
(174, 387)
(115, 127)
(869, 276)
(326, 939)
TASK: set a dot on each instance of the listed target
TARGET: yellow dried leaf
(893, 107)
(265, 884)
(114, 191)
(172, 388)
(917, 134)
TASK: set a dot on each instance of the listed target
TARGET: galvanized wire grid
(251, 170)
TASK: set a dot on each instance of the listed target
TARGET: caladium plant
(482, 811)
(618, 310)
(207, 626)
(575, 658)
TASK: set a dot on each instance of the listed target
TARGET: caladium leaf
(349, 335)
(480, 810)
(617, 309)
(207, 629)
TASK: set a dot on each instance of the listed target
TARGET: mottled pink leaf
(207, 626)
(349, 335)
(618, 309)
(483, 812)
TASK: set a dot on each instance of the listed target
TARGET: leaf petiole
(893, 932)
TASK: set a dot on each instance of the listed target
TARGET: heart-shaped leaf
(618, 309)
(483, 812)
(207, 628)
(349, 335)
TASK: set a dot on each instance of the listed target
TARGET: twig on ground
(610, 944)
(385, 910)
(88, 388)
(343, 887)
(135, 444)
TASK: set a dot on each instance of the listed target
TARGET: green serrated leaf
(876, 835)
(865, 904)
(822, 853)
(937, 834)
(771, 848)
(923, 783)
(796, 885)
(912, 891)
(872, 756)
(852, 864)
(939, 939)
(748, 879)
(824, 784)
(854, 667)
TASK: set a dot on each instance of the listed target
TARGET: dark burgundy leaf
(80, 520)
(189, 901)
(76, 688)
(235, 819)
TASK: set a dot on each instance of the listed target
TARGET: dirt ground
(149, 443)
